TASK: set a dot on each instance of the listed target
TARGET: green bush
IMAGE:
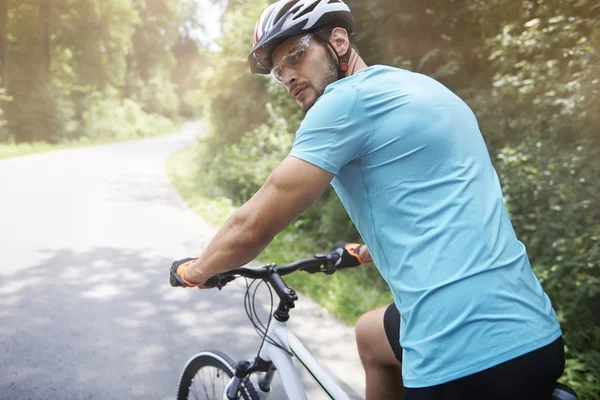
(239, 170)
(159, 96)
(553, 196)
(109, 117)
(193, 103)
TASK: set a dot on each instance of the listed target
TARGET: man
(408, 162)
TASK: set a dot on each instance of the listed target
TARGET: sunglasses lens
(276, 73)
(293, 57)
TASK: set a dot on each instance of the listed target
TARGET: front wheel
(206, 375)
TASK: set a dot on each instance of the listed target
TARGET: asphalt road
(86, 312)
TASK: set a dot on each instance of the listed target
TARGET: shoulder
(333, 108)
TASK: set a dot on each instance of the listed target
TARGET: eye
(292, 59)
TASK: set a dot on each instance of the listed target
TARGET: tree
(4, 43)
(45, 50)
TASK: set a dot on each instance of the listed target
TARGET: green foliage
(541, 104)
(436, 38)
(108, 116)
(237, 101)
(546, 63)
(103, 53)
(183, 169)
(88, 38)
(239, 170)
(552, 195)
(153, 37)
(159, 96)
(193, 103)
(38, 112)
(4, 98)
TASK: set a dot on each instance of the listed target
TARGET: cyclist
(406, 157)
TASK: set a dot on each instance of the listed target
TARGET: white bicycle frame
(283, 361)
(290, 379)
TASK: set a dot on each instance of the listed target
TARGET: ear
(340, 41)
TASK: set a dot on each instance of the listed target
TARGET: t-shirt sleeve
(334, 132)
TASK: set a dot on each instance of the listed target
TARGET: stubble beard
(330, 76)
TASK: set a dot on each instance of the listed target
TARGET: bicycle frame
(292, 384)
(283, 362)
(281, 346)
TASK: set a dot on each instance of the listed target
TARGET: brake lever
(329, 266)
(332, 258)
(218, 282)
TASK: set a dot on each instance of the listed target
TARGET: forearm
(294, 186)
(233, 246)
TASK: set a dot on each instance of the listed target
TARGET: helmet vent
(306, 11)
(295, 9)
(287, 18)
(284, 10)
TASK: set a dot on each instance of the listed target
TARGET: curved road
(86, 312)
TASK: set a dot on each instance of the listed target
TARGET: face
(305, 67)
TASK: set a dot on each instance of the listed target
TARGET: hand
(177, 278)
(349, 255)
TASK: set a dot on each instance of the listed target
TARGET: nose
(288, 76)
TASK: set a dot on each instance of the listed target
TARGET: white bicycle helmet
(287, 18)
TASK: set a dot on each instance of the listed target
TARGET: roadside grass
(185, 178)
(347, 294)
(8, 150)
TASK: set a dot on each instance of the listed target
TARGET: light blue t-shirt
(415, 176)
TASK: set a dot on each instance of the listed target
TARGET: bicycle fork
(242, 374)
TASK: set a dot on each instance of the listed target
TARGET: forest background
(96, 70)
(89, 71)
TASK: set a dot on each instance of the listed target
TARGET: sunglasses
(292, 57)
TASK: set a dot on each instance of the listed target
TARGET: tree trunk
(45, 37)
(129, 71)
(4, 43)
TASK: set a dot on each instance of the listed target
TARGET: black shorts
(531, 376)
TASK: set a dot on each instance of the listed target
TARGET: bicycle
(222, 379)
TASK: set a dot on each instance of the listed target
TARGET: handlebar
(319, 263)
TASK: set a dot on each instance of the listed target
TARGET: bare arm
(292, 188)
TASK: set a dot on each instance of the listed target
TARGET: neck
(355, 64)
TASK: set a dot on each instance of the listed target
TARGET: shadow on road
(111, 325)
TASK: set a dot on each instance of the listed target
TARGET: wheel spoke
(204, 384)
(194, 381)
(212, 382)
(207, 377)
